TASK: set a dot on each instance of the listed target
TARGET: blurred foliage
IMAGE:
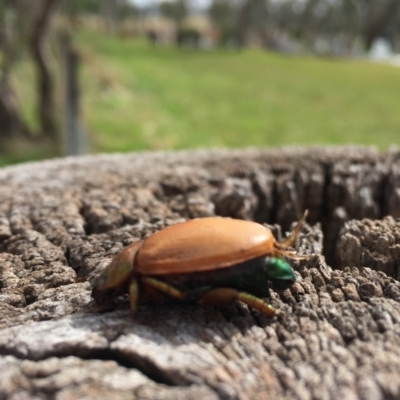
(176, 10)
(75, 7)
(223, 15)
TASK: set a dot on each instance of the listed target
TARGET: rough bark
(62, 221)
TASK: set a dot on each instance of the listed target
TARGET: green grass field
(137, 96)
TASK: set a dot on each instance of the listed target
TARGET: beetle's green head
(280, 273)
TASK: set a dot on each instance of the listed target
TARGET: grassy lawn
(136, 96)
(140, 97)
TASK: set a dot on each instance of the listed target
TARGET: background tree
(177, 10)
(379, 17)
(11, 123)
(45, 81)
(223, 14)
(252, 19)
(110, 14)
(311, 19)
(24, 31)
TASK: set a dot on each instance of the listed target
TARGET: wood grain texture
(62, 221)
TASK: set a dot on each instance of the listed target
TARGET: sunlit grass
(138, 96)
(163, 97)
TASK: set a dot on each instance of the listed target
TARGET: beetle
(211, 260)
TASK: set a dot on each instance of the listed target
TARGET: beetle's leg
(222, 296)
(291, 239)
(258, 304)
(133, 291)
(164, 288)
(154, 294)
(281, 248)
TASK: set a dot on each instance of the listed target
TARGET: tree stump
(62, 221)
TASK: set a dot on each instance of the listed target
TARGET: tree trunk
(378, 21)
(252, 22)
(46, 95)
(11, 124)
(109, 11)
(73, 132)
(62, 221)
(243, 25)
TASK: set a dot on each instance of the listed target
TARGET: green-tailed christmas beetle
(207, 260)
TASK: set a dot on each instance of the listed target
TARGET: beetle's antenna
(282, 246)
(292, 254)
(291, 239)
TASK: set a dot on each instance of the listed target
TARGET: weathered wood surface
(62, 221)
